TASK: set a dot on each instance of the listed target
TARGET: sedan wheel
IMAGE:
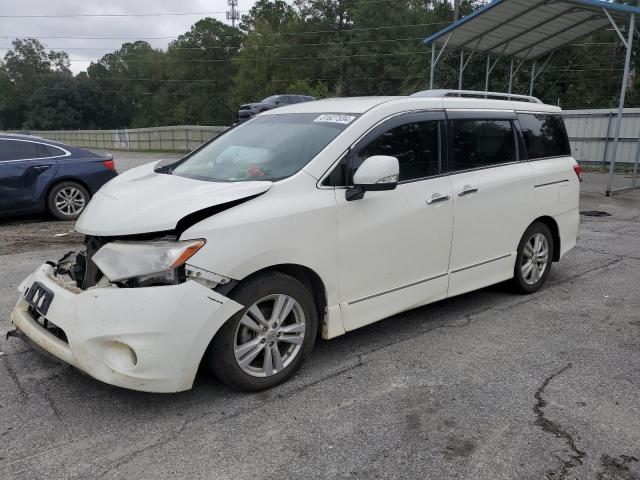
(67, 200)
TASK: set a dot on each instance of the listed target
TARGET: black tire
(524, 285)
(220, 358)
(72, 211)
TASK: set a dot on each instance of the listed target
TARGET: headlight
(124, 260)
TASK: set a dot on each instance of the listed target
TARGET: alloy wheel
(535, 258)
(270, 335)
(70, 201)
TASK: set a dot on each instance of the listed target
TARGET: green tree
(200, 70)
(27, 67)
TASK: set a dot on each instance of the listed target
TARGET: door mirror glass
(377, 173)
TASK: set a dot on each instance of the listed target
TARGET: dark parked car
(38, 175)
(248, 110)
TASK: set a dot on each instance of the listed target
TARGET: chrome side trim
(482, 263)
(412, 284)
(551, 183)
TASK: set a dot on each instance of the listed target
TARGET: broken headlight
(145, 262)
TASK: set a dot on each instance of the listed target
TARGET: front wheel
(267, 341)
(533, 263)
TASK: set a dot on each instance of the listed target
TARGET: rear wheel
(267, 341)
(535, 254)
(67, 200)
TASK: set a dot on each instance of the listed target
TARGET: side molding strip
(551, 183)
(369, 297)
(481, 263)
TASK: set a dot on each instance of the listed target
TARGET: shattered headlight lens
(125, 260)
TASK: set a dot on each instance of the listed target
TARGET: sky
(83, 51)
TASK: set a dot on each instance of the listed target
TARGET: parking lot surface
(488, 385)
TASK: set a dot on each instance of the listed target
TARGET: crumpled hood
(143, 201)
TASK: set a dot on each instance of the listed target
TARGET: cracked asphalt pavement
(488, 385)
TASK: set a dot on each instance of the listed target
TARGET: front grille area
(48, 325)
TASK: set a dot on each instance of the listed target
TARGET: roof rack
(476, 94)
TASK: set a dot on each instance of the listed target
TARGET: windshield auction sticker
(335, 118)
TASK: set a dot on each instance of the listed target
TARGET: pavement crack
(15, 379)
(158, 443)
(556, 429)
(616, 468)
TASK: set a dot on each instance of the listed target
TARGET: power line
(163, 14)
(279, 59)
(118, 15)
(312, 32)
(276, 45)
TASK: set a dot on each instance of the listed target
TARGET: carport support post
(634, 175)
(511, 76)
(533, 77)
(433, 64)
(486, 79)
(461, 69)
(623, 92)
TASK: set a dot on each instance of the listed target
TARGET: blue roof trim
(608, 5)
(616, 7)
(463, 20)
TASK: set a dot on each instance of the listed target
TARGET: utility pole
(456, 10)
(233, 14)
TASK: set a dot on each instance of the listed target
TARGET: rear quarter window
(544, 135)
(51, 151)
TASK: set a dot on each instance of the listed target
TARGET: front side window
(415, 145)
(270, 147)
(18, 150)
(480, 143)
(544, 135)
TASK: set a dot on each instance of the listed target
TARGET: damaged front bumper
(150, 339)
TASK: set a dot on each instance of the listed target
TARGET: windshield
(271, 99)
(270, 147)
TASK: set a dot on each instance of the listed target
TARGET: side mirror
(376, 174)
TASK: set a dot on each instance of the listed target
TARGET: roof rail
(476, 94)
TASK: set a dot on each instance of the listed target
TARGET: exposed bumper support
(149, 339)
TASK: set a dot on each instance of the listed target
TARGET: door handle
(437, 198)
(41, 167)
(467, 190)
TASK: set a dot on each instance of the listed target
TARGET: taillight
(110, 165)
(578, 170)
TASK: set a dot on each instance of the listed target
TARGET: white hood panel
(143, 201)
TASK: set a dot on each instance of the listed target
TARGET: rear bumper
(568, 223)
(150, 339)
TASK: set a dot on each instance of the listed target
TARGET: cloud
(117, 29)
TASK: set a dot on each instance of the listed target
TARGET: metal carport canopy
(528, 30)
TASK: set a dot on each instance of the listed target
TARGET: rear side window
(18, 150)
(51, 151)
(544, 135)
(480, 143)
(415, 145)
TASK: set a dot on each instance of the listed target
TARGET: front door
(394, 245)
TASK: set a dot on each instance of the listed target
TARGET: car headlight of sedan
(146, 262)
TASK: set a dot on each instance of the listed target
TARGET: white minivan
(312, 219)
